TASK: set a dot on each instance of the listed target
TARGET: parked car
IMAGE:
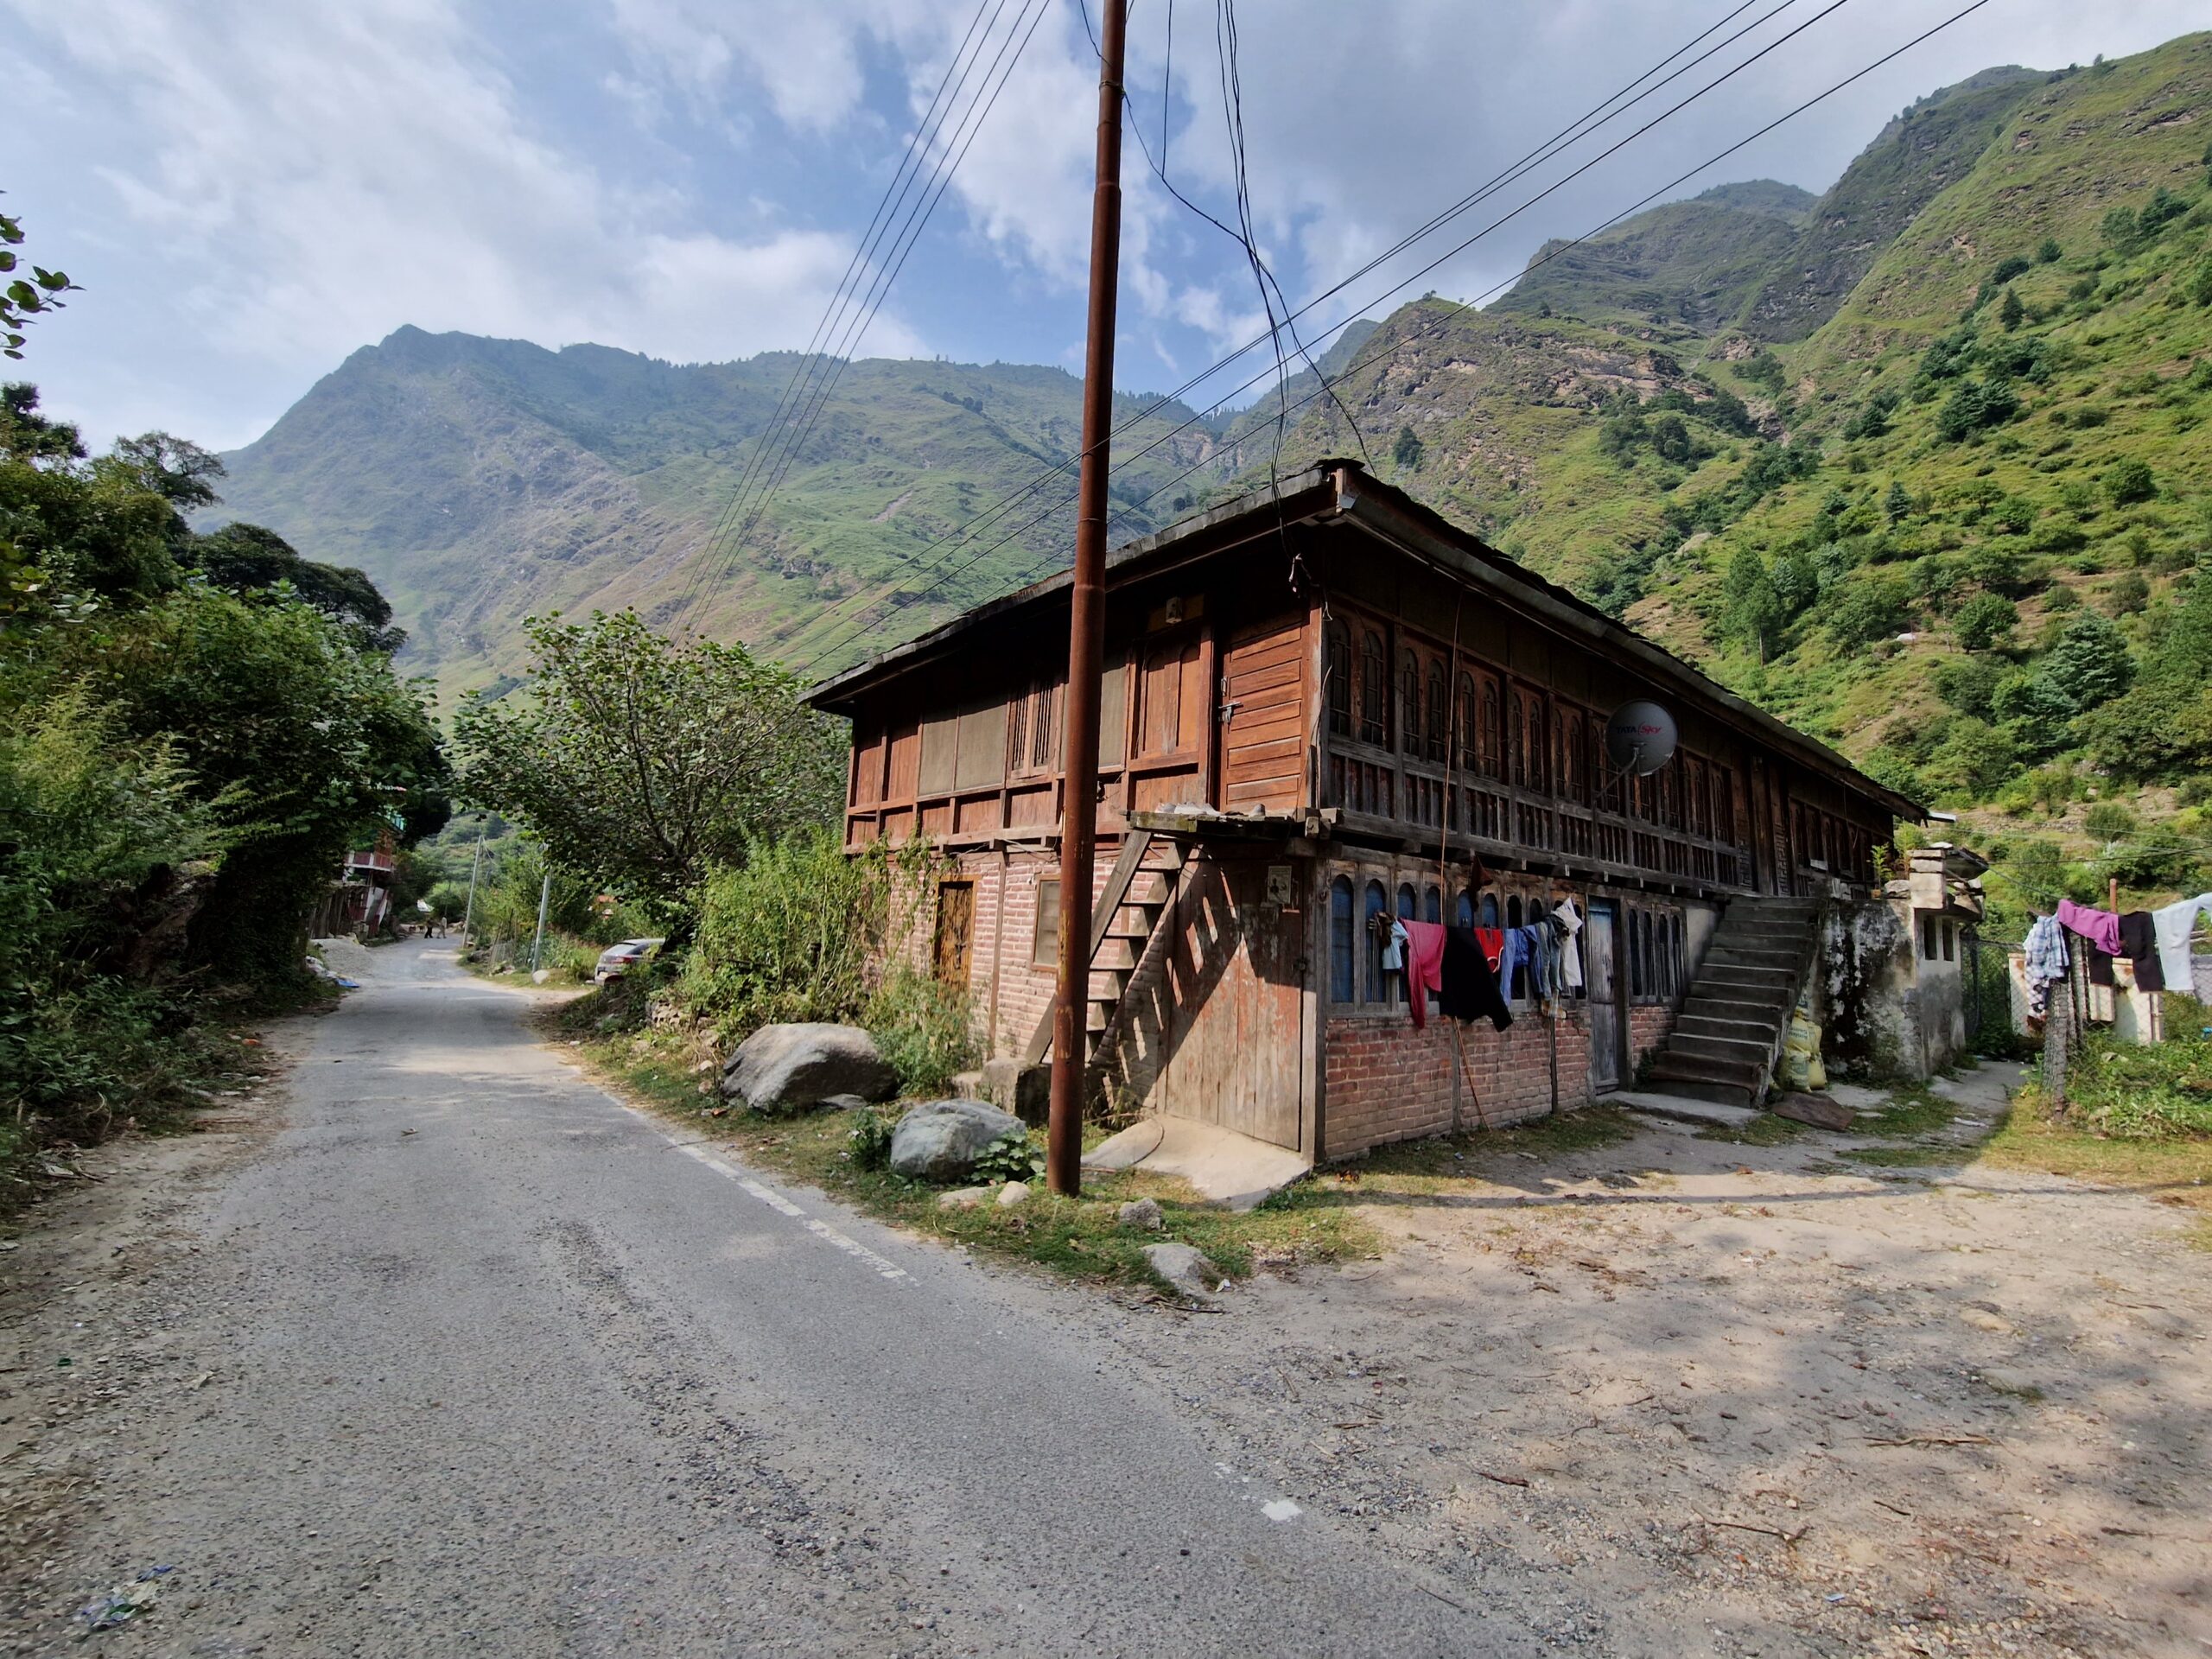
(619, 959)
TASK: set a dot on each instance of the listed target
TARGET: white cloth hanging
(2174, 926)
(1570, 948)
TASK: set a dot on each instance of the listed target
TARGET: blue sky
(250, 189)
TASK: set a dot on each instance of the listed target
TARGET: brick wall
(1384, 1081)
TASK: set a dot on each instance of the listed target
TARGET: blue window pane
(1432, 904)
(1463, 913)
(1342, 987)
(1489, 910)
(1377, 903)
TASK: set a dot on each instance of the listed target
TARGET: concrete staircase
(1730, 1026)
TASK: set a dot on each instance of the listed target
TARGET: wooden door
(955, 930)
(1237, 1057)
(1602, 982)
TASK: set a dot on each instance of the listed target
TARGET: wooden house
(1325, 703)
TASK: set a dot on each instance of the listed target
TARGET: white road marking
(775, 1200)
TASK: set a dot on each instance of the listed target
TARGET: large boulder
(794, 1068)
(941, 1139)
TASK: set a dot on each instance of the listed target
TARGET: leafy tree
(640, 762)
(2089, 665)
(2011, 313)
(1967, 683)
(2050, 253)
(2130, 595)
(1897, 506)
(2007, 268)
(2109, 821)
(248, 559)
(2163, 727)
(1796, 583)
(1974, 759)
(22, 299)
(1985, 622)
(1752, 610)
(299, 742)
(1408, 449)
(2128, 481)
(1866, 611)
(1976, 404)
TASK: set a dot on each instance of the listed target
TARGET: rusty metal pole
(1087, 632)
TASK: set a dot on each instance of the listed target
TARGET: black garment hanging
(1470, 989)
(2139, 943)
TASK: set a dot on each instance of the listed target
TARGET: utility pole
(1087, 630)
(544, 892)
(468, 910)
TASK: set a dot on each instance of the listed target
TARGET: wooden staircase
(1138, 890)
(1730, 1029)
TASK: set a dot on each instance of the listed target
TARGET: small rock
(1982, 1319)
(1141, 1212)
(1012, 1193)
(1185, 1269)
(2011, 1383)
(965, 1197)
(842, 1103)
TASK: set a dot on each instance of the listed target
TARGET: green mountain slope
(479, 481)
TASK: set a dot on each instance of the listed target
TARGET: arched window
(1343, 987)
(1407, 902)
(1463, 724)
(1409, 721)
(1489, 910)
(1376, 987)
(1432, 904)
(1488, 730)
(1339, 638)
(1463, 912)
(1439, 722)
(1374, 682)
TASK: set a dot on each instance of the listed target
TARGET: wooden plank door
(955, 930)
(1238, 1055)
(1602, 984)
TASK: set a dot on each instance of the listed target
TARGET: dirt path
(1737, 1400)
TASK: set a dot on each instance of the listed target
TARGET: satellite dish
(1640, 738)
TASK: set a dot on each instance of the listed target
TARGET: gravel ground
(464, 1356)
(440, 1349)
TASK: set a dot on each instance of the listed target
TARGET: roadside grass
(2173, 1170)
(1080, 1237)
(1765, 1130)
(1439, 1169)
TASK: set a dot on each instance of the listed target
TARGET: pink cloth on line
(2099, 927)
(1424, 966)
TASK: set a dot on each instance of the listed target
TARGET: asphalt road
(501, 1367)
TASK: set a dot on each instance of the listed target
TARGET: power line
(1461, 307)
(1572, 133)
(894, 193)
(838, 351)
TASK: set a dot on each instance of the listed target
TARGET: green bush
(791, 936)
(925, 1027)
(2129, 481)
(1986, 621)
(2109, 821)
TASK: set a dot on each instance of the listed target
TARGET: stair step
(1724, 1094)
(1700, 1068)
(1736, 954)
(1148, 887)
(1719, 1048)
(1763, 1032)
(1115, 953)
(1772, 1016)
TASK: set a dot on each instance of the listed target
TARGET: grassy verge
(1080, 1237)
(2173, 1170)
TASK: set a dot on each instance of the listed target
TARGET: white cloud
(321, 173)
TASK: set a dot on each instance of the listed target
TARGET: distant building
(1321, 703)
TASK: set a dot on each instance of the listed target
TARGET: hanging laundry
(1468, 987)
(1393, 948)
(2045, 964)
(1493, 944)
(2139, 943)
(2174, 926)
(1424, 966)
(1570, 949)
(2099, 927)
